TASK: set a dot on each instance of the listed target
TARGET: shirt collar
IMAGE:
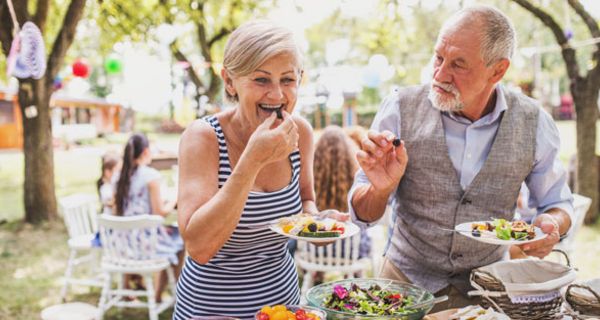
(489, 118)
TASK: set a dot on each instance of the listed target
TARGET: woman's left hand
(333, 214)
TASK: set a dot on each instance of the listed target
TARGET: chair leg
(307, 283)
(104, 296)
(172, 282)
(68, 274)
(121, 281)
(151, 297)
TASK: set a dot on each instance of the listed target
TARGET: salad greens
(371, 301)
(502, 228)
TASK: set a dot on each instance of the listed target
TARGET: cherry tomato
(262, 316)
(280, 315)
(267, 310)
(279, 307)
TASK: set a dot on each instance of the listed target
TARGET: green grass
(33, 260)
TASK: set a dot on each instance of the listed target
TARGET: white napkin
(478, 313)
(530, 280)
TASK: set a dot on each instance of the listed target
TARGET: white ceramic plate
(490, 236)
(350, 229)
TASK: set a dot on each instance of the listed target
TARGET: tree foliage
(206, 25)
(584, 84)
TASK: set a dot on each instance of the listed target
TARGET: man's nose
(442, 74)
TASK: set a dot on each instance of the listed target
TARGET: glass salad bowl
(417, 296)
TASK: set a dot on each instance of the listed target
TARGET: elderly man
(468, 145)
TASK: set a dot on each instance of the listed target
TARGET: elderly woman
(241, 168)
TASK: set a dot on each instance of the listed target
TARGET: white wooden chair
(341, 258)
(80, 213)
(581, 205)
(129, 246)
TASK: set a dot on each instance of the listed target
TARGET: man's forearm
(369, 204)
(562, 218)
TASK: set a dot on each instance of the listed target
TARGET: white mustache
(446, 86)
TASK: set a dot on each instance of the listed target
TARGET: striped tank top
(254, 267)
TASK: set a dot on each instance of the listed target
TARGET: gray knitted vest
(430, 195)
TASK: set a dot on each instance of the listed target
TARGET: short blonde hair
(255, 42)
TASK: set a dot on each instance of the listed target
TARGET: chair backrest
(80, 212)
(128, 241)
(581, 205)
(342, 255)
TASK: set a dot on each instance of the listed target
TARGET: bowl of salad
(370, 299)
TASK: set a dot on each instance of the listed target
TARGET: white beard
(442, 102)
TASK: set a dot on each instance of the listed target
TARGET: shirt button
(468, 156)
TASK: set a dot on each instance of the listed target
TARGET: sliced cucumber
(319, 234)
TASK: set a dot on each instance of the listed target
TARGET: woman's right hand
(382, 163)
(271, 141)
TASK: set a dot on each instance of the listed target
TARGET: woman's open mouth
(270, 108)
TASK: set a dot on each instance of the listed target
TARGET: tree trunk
(39, 196)
(587, 164)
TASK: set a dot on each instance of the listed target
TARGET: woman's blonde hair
(334, 167)
(255, 42)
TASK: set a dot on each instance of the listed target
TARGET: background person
(138, 192)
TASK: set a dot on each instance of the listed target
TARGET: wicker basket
(501, 302)
(584, 304)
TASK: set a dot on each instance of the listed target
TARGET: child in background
(105, 185)
(138, 192)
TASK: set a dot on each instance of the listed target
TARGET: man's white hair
(498, 37)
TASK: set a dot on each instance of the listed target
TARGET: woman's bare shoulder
(197, 134)
(304, 126)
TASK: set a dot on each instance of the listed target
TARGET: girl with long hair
(138, 192)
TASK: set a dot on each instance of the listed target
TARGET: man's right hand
(382, 163)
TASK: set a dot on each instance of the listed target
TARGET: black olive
(476, 233)
(312, 227)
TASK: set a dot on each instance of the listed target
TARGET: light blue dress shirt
(469, 144)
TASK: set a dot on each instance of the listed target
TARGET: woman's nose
(275, 92)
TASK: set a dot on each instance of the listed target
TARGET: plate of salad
(309, 228)
(501, 231)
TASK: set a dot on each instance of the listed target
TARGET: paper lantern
(569, 34)
(27, 54)
(113, 66)
(57, 84)
(80, 69)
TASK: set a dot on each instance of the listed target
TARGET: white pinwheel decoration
(27, 57)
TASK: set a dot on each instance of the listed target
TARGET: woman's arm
(307, 151)
(209, 215)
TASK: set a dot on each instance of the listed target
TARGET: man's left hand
(543, 247)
